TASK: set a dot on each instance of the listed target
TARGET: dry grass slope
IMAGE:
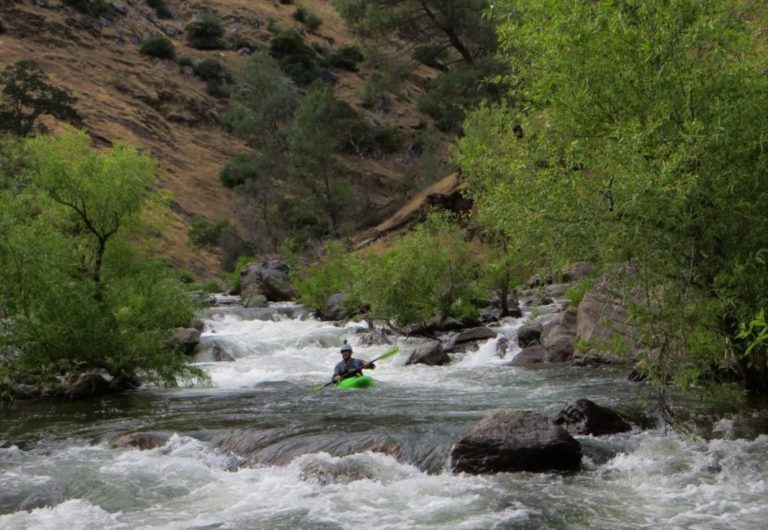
(162, 110)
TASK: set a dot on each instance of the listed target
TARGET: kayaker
(349, 366)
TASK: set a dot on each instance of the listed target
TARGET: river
(259, 449)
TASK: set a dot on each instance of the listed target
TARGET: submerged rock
(140, 440)
(512, 440)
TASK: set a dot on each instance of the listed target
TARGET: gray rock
(511, 440)
(535, 354)
(586, 417)
(431, 354)
(140, 440)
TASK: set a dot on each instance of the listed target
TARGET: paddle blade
(388, 354)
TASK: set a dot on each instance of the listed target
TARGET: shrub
(2, 27)
(300, 15)
(346, 57)
(313, 22)
(161, 8)
(217, 90)
(207, 33)
(205, 234)
(296, 59)
(211, 70)
(158, 46)
(185, 61)
(237, 171)
(334, 275)
(431, 55)
(286, 2)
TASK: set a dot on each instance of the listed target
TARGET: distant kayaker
(349, 366)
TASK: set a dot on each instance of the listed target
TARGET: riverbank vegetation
(77, 292)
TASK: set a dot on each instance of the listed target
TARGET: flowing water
(259, 449)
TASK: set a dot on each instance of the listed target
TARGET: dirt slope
(162, 109)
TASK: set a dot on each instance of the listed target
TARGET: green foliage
(431, 55)
(639, 143)
(334, 275)
(158, 46)
(206, 33)
(428, 275)
(300, 14)
(98, 302)
(237, 171)
(460, 25)
(313, 22)
(205, 234)
(27, 95)
(575, 293)
(211, 70)
(451, 95)
(185, 61)
(2, 27)
(296, 59)
(346, 57)
(94, 8)
(161, 8)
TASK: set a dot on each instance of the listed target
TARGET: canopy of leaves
(641, 141)
(76, 292)
(27, 95)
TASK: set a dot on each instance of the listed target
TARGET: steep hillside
(164, 110)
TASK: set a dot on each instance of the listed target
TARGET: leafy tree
(459, 25)
(206, 33)
(158, 46)
(427, 276)
(27, 95)
(84, 296)
(640, 143)
(296, 59)
(321, 125)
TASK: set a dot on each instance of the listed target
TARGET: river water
(259, 449)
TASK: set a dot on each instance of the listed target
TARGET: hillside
(164, 110)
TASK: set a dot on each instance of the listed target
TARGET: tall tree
(27, 95)
(456, 24)
(641, 141)
(76, 291)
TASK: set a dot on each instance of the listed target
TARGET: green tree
(427, 276)
(640, 142)
(459, 25)
(84, 295)
(321, 125)
(27, 95)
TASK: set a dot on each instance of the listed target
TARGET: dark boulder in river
(587, 417)
(513, 440)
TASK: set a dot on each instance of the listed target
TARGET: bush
(334, 275)
(161, 8)
(217, 90)
(431, 55)
(2, 27)
(346, 57)
(237, 171)
(185, 61)
(205, 234)
(313, 22)
(207, 33)
(428, 275)
(211, 70)
(286, 2)
(300, 15)
(158, 46)
(297, 60)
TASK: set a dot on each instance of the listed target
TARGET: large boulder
(186, 339)
(474, 335)
(268, 279)
(535, 354)
(140, 440)
(431, 354)
(529, 334)
(602, 318)
(558, 338)
(513, 440)
(586, 417)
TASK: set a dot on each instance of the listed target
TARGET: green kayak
(361, 381)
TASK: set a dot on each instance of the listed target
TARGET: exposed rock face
(577, 271)
(268, 279)
(558, 339)
(430, 354)
(474, 334)
(529, 334)
(586, 417)
(186, 338)
(602, 317)
(512, 440)
(535, 354)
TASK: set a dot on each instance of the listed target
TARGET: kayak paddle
(386, 355)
